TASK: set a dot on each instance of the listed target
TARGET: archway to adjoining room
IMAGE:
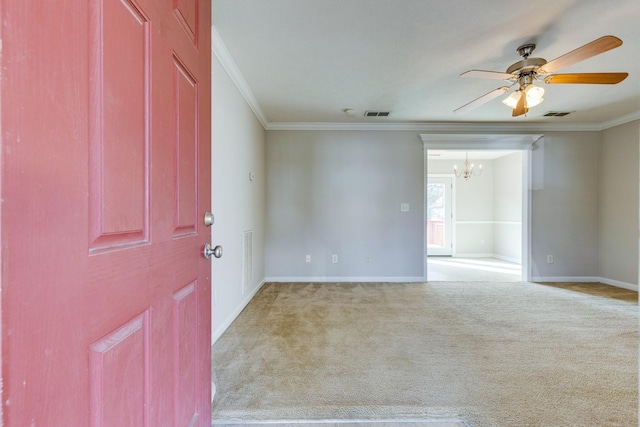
(488, 215)
(474, 223)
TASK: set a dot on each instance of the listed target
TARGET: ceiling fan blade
(484, 74)
(521, 106)
(587, 78)
(483, 99)
(587, 51)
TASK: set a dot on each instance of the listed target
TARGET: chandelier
(468, 169)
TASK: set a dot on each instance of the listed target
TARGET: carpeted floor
(485, 354)
(343, 423)
(346, 423)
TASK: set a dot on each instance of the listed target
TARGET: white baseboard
(586, 279)
(323, 279)
(496, 256)
(458, 255)
(619, 284)
(579, 279)
(218, 333)
(508, 259)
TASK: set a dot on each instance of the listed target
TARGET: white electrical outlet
(404, 207)
(549, 259)
(482, 242)
(334, 258)
(308, 258)
(367, 258)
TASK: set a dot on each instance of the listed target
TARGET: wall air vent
(556, 113)
(376, 113)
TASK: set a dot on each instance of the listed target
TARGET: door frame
(452, 205)
(525, 143)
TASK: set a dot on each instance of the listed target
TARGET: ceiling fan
(529, 69)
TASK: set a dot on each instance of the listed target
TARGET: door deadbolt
(208, 219)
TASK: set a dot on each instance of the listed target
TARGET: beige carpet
(486, 354)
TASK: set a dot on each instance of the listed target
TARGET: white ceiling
(305, 61)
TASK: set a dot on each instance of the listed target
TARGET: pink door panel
(117, 375)
(106, 175)
(119, 132)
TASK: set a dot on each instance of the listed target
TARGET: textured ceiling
(305, 61)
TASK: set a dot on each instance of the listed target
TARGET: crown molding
(496, 127)
(620, 120)
(220, 51)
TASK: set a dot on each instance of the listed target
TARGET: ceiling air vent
(376, 113)
(557, 113)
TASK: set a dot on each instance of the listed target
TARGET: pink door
(105, 150)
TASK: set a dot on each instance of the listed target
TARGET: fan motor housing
(526, 66)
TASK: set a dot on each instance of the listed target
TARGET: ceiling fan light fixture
(534, 96)
(512, 100)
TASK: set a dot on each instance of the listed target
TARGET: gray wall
(618, 225)
(238, 204)
(565, 206)
(339, 192)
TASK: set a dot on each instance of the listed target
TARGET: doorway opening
(488, 228)
(490, 213)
